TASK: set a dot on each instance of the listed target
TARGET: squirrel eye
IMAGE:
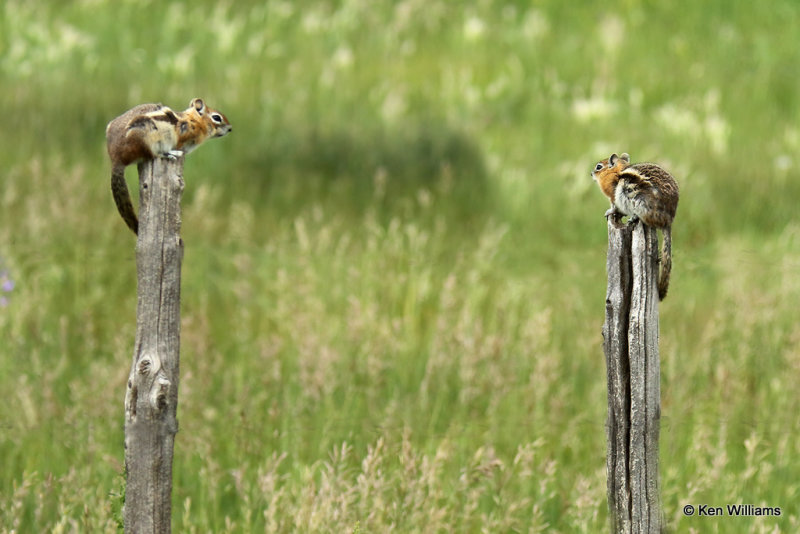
(216, 117)
(598, 167)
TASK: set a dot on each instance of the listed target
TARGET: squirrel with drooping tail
(149, 131)
(644, 192)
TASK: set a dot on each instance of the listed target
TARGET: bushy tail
(119, 188)
(666, 263)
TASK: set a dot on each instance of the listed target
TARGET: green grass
(395, 265)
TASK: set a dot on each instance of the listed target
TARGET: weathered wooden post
(151, 399)
(630, 342)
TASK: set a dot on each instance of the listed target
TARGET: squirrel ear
(184, 127)
(198, 105)
(625, 157)
(612, 160)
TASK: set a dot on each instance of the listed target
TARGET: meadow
(394, 271)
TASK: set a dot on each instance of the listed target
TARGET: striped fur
(153, 130)
(645, 192)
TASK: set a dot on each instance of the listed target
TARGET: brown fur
(646, 192)
(607, 176)
(148, 131)
(201, 123)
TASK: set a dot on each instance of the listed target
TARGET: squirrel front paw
(172, 154)
(614, 217)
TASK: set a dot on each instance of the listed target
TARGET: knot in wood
(149, 364)
(159, 394)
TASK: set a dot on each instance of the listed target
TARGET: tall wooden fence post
(151, 399)
(630, 342)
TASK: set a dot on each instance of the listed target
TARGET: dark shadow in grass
(374, 166)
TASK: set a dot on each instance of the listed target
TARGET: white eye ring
(598, 167)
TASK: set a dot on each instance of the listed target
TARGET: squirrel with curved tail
(149, 131)
(644, 192)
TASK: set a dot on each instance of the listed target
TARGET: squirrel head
(219, 122)
(199, 123)
(614, 162)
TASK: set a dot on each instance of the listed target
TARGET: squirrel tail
(666, 264)
(119, 188)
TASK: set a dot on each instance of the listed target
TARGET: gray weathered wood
(615, 346)
(645, 381)
(630, 334)
(152, 394)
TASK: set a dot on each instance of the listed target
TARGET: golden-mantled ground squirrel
(644, 192)
(153, 130)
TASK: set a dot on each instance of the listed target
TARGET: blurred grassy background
(395, 265)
